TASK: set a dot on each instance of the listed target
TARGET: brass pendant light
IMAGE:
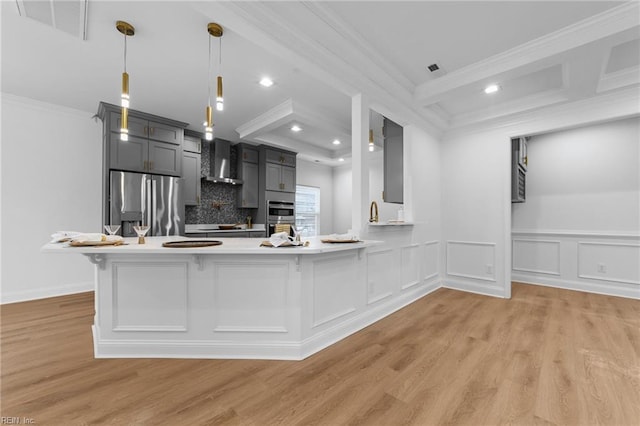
(371, 146)
(128, 31)
(214, 30)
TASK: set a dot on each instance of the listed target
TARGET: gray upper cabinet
(154, 145)
(393, 163)
(191, 174)
(247, 193)
(280, 171)
(192, 144)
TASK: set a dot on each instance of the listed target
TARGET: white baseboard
(630, 291)
(281, 350)
(483, 289)
(44, 292)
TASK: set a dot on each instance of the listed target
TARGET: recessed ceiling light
(492, 88)
(266, 82)
(295, 128)
(341, 159)
(336, 142)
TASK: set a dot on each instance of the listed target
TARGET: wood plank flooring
(545, 357)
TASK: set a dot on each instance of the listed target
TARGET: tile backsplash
(217, 200)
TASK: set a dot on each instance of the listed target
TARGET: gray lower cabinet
(280, 178)
(191, 174)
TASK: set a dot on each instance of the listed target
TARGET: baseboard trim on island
(274, 350)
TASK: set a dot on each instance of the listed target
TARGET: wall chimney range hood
(220, 156)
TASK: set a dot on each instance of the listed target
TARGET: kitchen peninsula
(235, 300)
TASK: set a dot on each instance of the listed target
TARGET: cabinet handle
(199, 146)
(144, 165)
(145, 130)
(151, 130)
(197, 199)
(244, 155)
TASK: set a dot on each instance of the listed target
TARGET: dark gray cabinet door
(249, 155)
(192, 144)
(393, 162)
(288, 178)
(280, 157)
(165, 158)
(248, 191)
(132, 155)
(165, 133)
(273, 182)
(191, 175)
(136, 126)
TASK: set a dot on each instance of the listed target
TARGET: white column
(360, 163)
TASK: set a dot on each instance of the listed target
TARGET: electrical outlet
(602, 268)
(488, 268)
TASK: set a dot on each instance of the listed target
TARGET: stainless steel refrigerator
(145, 199)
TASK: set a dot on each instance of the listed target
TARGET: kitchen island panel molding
(145, 300)
(410, 266)
(237, 300)
(332, 276)
(253, 300)
(431, 257)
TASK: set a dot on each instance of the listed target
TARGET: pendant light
(214, 30)
(371, 146)
(127, 30)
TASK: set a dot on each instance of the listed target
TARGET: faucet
(374, 206)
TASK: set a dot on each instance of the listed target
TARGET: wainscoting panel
(536, 256)
(335, 287)
(470, 259)
(382, 279)
(430, 260)
(616, 262)
(141, 303)
(250, 299)
(410, 261)
(596, 262)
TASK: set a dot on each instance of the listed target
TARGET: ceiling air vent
(69, 16)
(433, 67)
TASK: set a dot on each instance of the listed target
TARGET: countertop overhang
(236, 246)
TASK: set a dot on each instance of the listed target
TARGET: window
(308, 210)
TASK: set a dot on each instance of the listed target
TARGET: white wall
(584, 179)
(342, 198)
(580, 225)
(319, 176)
(51, 180)
(475, 204)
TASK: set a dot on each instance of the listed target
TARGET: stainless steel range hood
(220, 169)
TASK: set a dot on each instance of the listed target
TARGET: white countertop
(153, 245)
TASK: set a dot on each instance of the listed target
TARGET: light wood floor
(545, 357)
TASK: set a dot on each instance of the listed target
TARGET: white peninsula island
(235, 300)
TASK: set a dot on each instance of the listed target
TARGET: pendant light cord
(209, 74)
(125, 51)
(220, 56)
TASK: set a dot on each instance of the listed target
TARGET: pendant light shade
(371, 147)
(214, 30)
(127, 30)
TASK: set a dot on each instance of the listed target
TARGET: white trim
(576, 233)
(332, 317)
(535, 271)
(477, 288)
(610, 22)
(46, 292)
(239, 329)
(46, 106)
(282, 350)
(474, 277)
(437, 272)
(622, 78)
(589, 287)
(595, 277)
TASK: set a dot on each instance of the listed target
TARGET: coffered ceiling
(319, 54)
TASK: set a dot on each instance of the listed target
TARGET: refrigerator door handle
(147, 202)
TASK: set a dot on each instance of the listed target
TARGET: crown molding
(271, 119)
(608, 23)
(606, 107)
(348, 71)
(618, 79)
(535, 101)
